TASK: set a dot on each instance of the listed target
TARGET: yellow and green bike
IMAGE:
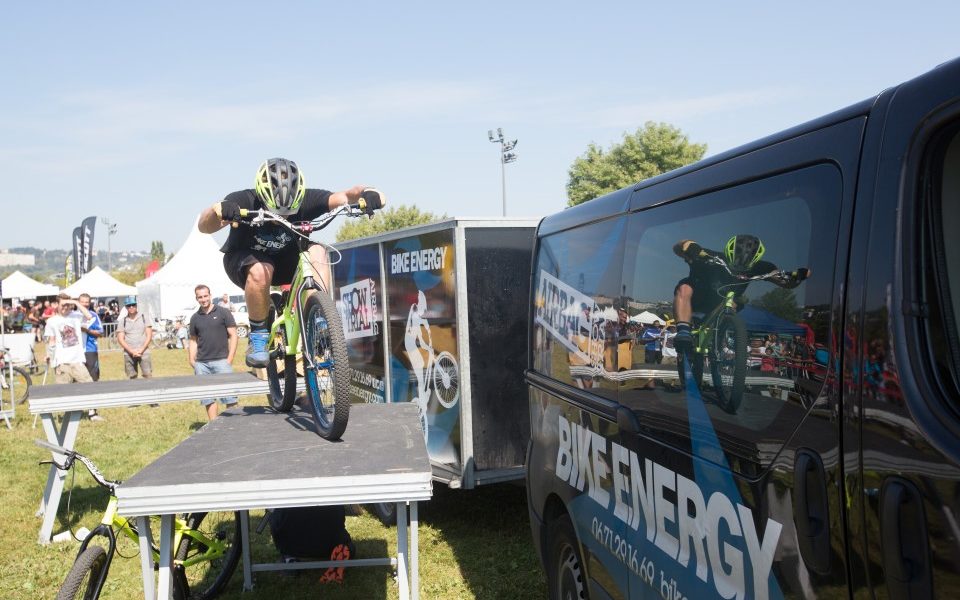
(305, 323)
(207, 545)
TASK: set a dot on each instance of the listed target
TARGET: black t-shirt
(210, 329)
(707, 279)
(270, 238)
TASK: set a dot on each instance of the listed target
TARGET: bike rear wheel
(207, 578)
(728, 361)
(282, 375)
(325, 365)
(84, 575)
(21, 385)
(446, 379)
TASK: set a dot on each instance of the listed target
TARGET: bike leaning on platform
(305, 322)
(206, 545)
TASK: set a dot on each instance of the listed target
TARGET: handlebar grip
(370, 200)
(244, 212)
(52, 447)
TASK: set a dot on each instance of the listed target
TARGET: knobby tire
(84, 575)
(328, 389)
(207, 579)
(730, 335)
(283, 383)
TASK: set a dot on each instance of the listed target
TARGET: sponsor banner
(424, 359)
(77, 245)
(87, 227)
(360, 302)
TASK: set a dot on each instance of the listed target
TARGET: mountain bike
(720, 340)
(305, 322)
(207, 545)
(15, 382)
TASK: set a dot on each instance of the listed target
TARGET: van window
(576, 320)
(945, 329)
(784, 318)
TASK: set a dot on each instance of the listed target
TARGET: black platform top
(254, 443)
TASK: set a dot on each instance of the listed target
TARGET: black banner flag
(86, 257)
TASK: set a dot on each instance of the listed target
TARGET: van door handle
(812, 511)
(903, 529)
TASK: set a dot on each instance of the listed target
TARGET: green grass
(473, 544)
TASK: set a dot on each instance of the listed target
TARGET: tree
(781, 302)
(386, 220)
(656, 148)
(157, 253)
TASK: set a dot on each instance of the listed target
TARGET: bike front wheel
(84, 577)
(728, 361)
(20, 384)
(325, 365)
(203, 570)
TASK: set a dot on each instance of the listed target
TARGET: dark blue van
(744, 375)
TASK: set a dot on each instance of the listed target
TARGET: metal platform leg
(414, 553)
(165, 585)
(245, 548)
(146, 556)
(50, 502)
(403, 580)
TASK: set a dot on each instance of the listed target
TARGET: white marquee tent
(17, 285)
(169, 292)
(99, 284)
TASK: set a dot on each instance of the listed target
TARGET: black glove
(229, 211)
(802, 273)
(370, 200)
(693, 250)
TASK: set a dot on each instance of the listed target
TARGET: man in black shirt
(213, 343)
(256, 258)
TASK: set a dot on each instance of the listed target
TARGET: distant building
(8, 259)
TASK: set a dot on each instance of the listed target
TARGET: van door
(902, 318)
(734, 456)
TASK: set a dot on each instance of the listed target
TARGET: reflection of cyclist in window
(698, 291)
(413, 341)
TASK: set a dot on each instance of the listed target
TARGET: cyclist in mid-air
(698, 291)
(256, 258)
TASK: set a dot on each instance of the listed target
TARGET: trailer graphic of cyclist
(438, 371)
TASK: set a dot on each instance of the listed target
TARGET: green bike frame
(304, 280)
(703, 331)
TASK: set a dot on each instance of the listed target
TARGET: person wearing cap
(65, 341)
(134, 332)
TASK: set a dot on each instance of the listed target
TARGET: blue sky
(146, 114)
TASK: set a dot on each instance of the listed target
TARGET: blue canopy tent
(759, 320)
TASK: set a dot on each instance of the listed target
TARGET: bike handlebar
(370, 200)
(71, 457)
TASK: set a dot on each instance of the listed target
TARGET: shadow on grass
(489, 532)
(76, 506)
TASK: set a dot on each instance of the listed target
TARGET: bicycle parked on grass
(306, 323)
(206, 545)
(720, 340)
(15, 382)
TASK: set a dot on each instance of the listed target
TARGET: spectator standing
(64, 335)
(92, 329)
(225, 302)
(134, 332)
(34, 317)
(213, 343)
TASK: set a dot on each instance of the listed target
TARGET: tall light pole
(111, 230)
(506, 156)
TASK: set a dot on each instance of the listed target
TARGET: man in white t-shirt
(64, 335)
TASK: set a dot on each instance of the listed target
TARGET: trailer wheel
(565, 577)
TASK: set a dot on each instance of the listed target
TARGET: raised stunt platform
(253, 457)
(72, 399)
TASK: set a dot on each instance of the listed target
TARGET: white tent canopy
(170, 291)
(646, 318)
(99, 284)
(18, 285)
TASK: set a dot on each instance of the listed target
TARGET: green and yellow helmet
(743, 251)
(280, 185)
